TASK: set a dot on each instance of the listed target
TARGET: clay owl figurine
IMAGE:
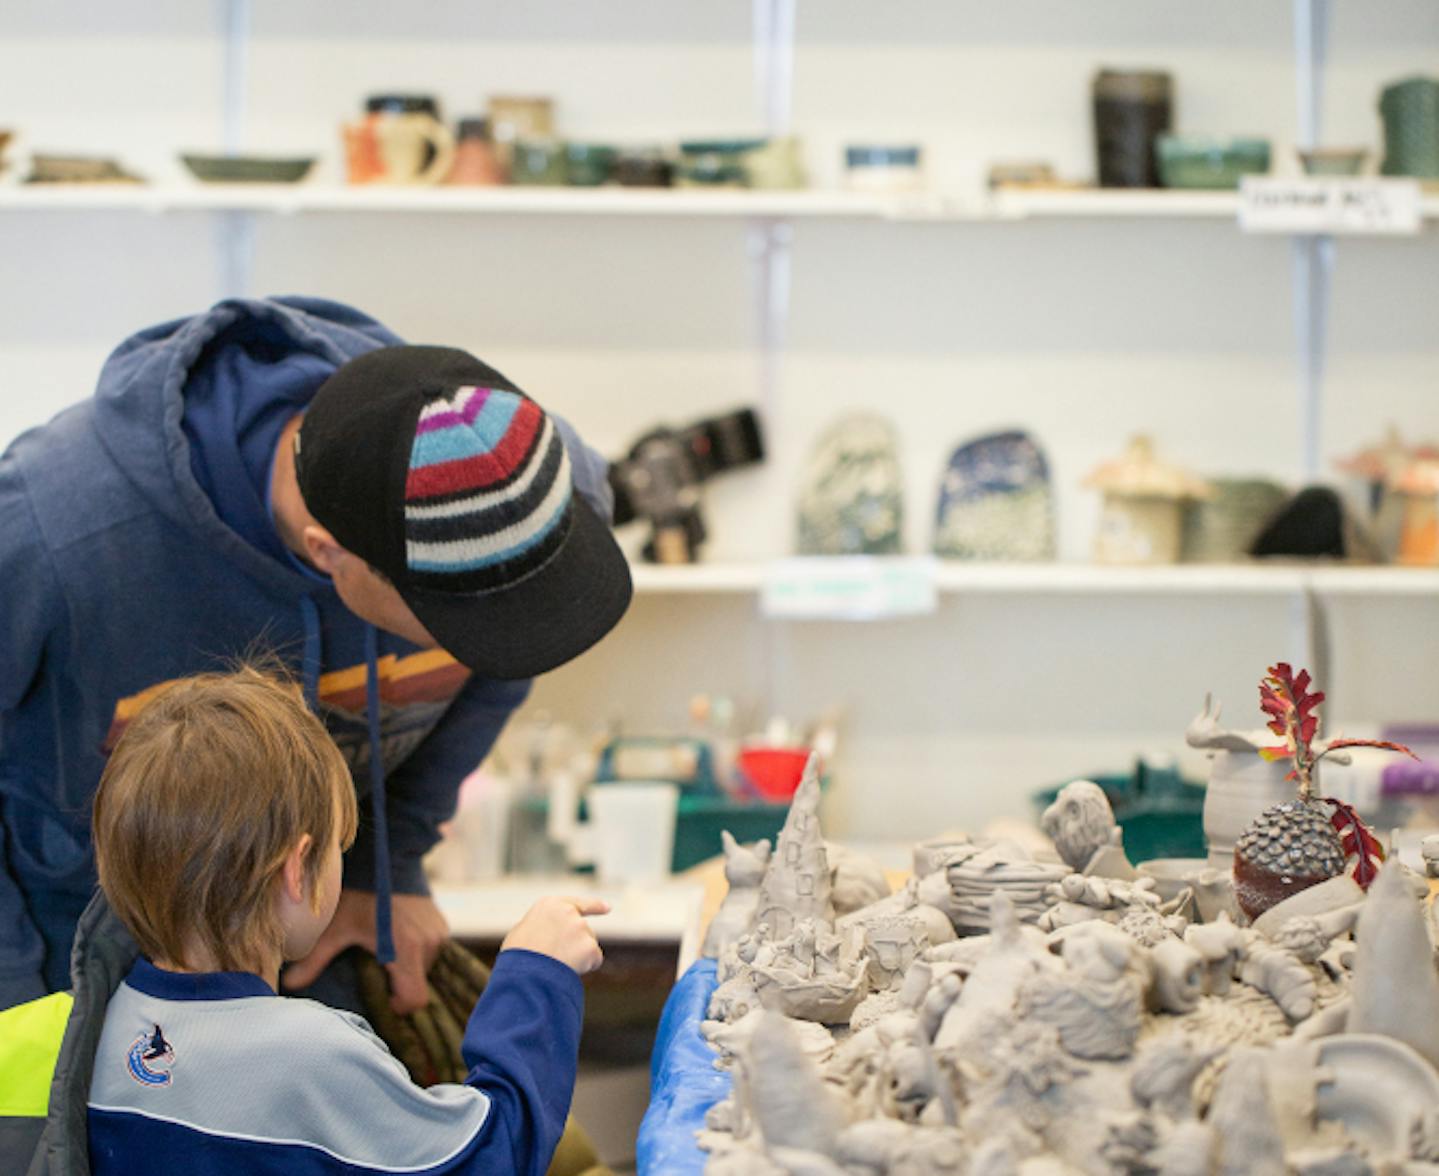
(744, 869)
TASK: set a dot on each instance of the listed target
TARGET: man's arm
(30, 610)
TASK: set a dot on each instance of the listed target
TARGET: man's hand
(555, 927)
(419, 931)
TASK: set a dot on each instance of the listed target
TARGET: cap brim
(542, 621)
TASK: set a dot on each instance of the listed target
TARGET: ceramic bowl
(1192, 161)
(1334, 161)
(247, 169)
(588, 165)
(715, 163)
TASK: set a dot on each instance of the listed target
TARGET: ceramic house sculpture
(1141, 521)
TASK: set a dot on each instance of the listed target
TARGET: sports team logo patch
(150, 1059)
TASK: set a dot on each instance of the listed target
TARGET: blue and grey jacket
(137, 546)
(214, 1074)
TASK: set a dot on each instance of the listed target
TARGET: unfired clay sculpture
(1396, 989)
(1001, 1014)
(744, 869)
(1081, 824)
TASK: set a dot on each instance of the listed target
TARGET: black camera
(660, 479)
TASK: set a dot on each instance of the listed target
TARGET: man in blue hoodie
(196, 511)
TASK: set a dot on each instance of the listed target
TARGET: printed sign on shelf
(850, 588)
(1333, 205)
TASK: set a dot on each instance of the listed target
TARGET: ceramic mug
(399, 141)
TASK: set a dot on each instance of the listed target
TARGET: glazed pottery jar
(516, 117)
(538, 162)
(476, 162)
(1410, 110)
(1131, 109)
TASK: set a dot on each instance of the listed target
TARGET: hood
(102, 955)
(140, 401)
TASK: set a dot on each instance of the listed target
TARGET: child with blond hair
(218, 828)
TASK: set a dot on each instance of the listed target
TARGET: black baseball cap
(445, 477)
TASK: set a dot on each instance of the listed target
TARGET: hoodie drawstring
(310, 670)
(384, 941)
(310, 613)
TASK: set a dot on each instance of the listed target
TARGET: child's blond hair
(208, 790)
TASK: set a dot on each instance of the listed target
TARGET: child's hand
(555, 927)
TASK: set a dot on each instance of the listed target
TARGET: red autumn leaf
(1308, 729)
(1358, 842)
(1335, 744)
(1301, 684)
(1271, 704)
(1274, 754)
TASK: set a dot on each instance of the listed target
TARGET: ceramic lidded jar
(1142, 520)
(1369, 487)
(1417, 492)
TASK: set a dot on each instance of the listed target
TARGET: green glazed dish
(246, 169)
(1192, 161)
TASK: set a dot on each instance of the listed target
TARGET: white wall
(1080, 332)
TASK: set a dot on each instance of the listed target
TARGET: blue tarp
(683, 1081)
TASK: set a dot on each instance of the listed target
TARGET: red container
(774, 772)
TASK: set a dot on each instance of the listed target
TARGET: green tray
(1162, 813)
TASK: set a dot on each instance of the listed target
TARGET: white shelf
(953, 578)
(1014, 205)
(298, 198)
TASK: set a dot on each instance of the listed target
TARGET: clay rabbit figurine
(744, 869)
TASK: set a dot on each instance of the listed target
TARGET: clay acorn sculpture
(1302, 842)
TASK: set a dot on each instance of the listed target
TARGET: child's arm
(522, 1041)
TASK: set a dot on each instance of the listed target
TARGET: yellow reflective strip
(30, 1036)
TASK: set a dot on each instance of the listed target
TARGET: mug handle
(442, 144)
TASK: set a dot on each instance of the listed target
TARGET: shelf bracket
(774, 63)
(234, 230)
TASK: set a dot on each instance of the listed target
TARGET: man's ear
(321, 548)
(294, 869)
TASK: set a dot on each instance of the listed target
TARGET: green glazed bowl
(1192, 161)
(1333, 161)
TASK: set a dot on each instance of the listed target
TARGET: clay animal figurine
(856, 881)
(1243, 1118)
(744, 869)
(1095, 1002)
(1396, 989)
(1081, 824)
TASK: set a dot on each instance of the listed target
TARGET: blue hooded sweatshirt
(137, 547)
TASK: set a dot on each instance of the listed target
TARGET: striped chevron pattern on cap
(488, 492)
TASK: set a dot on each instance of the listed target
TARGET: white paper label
(1342, 206)
(850, 588)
